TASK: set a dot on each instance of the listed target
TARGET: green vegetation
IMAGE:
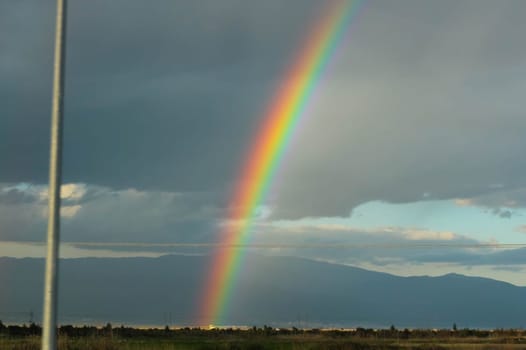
(127, 338)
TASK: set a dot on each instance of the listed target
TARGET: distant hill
(278, 291)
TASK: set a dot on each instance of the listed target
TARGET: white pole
(49, 331)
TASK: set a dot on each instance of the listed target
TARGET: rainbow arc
(266, 152)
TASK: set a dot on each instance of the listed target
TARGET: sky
(409, 158)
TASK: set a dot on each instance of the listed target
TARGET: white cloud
(73, 191)
(70, 211)
(70, 191)
(415, 234)
(464, 202)
(330, 230)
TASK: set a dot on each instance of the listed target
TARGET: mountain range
(277, 291)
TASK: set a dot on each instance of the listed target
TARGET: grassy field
(247, 340)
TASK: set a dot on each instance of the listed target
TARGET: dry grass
(261, 343)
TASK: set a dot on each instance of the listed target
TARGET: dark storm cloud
(158, 96)
(424, 107)
(425, 99)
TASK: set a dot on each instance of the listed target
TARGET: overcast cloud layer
(424, 102)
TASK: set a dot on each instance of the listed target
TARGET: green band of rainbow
(265, 154)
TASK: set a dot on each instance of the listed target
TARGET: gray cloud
(380, 246)
(505, 258)
(389, 246)
(100, 214)
(14, 196)
(499, 201)
(107, 217)
(502, 198)
(414, 111)
(425, 99)
(159, 97)
(509, 268)
(502, 213)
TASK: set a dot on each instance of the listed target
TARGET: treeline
(266, 331)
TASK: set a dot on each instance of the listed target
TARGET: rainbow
(265, 154)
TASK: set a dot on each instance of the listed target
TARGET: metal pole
(49, 331)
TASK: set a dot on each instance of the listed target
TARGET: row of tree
(130, 332)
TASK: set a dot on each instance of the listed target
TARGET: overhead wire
(419, 245)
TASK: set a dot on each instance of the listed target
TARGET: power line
(308, 246)
(387, 245)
